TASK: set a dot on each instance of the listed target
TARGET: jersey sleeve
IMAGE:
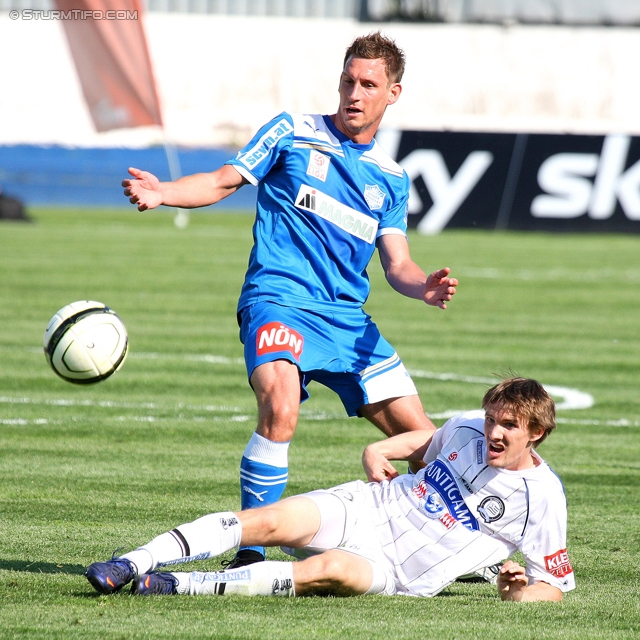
(260, 155)
(395, 220)
(544, 544)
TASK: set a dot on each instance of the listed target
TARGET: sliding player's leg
(292, 522)
(210, 535)
(314, 524)
(334, 572)
(340, 518)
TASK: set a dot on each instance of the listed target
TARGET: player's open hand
(512, 581)
(440, 288)
(144, 190)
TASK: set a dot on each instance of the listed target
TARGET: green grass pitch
(85, 470)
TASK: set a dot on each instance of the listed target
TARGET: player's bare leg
(264, 466)
(277, 388)
(397, 415)
(335, 572)
(290, 523)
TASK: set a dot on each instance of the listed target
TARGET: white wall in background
(220, 77)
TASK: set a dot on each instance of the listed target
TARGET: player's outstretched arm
(197, 190)
(514, 585)
(406, 277)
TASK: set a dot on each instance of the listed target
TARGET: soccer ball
(85, 342)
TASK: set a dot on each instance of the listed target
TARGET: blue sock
(264, 470)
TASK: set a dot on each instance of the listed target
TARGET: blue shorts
(343, 351)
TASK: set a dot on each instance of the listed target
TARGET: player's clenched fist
(144, 190)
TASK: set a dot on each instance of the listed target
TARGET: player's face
(365, 93)
(508, 439)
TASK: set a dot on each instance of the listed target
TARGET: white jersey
(458, 515)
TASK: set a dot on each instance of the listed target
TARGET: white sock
(141, 559)
(259, 579)
(205, 537)
(259, 449)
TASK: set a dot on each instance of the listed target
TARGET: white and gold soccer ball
(85, 342)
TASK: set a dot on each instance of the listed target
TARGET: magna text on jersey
(353, 222)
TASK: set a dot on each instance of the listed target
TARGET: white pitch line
(24, 422)
(444, 415)
(549, 275)
(205, 357)
(622, 422)
(139, 355)
(572, 399)
(110, 404)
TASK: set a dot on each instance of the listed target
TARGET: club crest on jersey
(318, 165)
(374, 196)
(433, 505)
(491, 509)
(275, 336)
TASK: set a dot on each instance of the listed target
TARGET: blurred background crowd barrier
(574, 12)
(514, 114)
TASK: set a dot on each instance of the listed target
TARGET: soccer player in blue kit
(327, 197)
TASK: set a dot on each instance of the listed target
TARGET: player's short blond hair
(527, 399)
(374, 46)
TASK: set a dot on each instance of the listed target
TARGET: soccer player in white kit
(483, 495)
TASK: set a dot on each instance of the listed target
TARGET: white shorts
(346, 524)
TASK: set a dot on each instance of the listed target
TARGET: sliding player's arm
(197, 190)
(513, 584)
(411, 445)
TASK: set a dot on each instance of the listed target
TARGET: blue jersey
(323, 200)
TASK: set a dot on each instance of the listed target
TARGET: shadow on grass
(41, 567)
